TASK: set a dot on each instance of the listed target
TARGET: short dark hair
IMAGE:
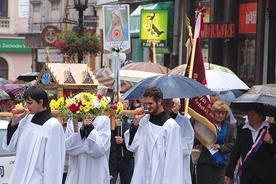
(154, 92)
(37, 93)
(258, 108)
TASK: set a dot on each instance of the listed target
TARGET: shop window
(3, 68)
(3, 8)
(247, 59)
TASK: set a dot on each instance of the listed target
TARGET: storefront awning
(135, 16)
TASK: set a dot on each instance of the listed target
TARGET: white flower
(122, 56)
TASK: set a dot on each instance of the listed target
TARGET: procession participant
(121, 161)
(255, 150)
(212, 163)
(88, 151)
(187, 133)
(38, 140)
(155, 139)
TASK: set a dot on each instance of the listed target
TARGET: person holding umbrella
(255, 150)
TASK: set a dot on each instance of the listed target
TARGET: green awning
(135, 16)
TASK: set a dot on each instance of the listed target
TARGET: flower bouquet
(86, 104)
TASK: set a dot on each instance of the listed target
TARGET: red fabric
(199, 74)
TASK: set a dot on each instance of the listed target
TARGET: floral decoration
(84, 104)
(116, 51)
(69, 42)
(200, 9)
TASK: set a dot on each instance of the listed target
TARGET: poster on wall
(247, 60)
(116, 27)
(248, 18)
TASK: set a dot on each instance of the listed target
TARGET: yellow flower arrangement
(84, 104)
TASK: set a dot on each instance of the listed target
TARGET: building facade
(238, 34)
(15, 57)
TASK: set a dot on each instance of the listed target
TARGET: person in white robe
(187, 133)
(37, 137)
(88, 151)
(155, 138)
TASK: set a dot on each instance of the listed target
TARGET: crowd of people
(150, 147)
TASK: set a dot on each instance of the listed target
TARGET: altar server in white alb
(88, 151)
(37, 138)
(187, 133)
(155, 138)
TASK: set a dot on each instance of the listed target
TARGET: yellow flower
(84, 104)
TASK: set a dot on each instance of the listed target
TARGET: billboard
(154, 27)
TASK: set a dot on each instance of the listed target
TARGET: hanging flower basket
(69, 43)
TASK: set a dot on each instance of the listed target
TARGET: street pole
(80, 34)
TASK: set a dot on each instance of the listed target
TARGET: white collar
(247, 125)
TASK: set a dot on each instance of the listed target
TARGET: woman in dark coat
(256, 146)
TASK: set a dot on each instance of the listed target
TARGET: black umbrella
(246, 101)
(30, 76)
(172, 86)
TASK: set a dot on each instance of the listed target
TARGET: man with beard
(155, 138)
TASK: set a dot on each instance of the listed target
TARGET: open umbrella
(134, 75)
(181, 69)
(172, 86)
(267, 89)
(230, 95)
(246, 101)
(223, 81)
(3, 81)
(4, 95)
(137, 71)
(12, 88)
(30, 76)
(104, 78)
(219, 80)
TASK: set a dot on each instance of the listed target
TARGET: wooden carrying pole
(191, 67)
(56, 112)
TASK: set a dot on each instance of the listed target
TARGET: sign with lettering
(248, 18)
(154, 27)
(15, 45)
(219, 30)
(55, 55)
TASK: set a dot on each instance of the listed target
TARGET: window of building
(3, 68)
(3, 8)
(247, 59)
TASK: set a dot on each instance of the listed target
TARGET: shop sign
(154, 28)
(248, 18)
(13, 45)
(219, 30)
(54, 54)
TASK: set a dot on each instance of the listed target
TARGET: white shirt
(254, 132)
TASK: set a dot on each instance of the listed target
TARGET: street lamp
(80, 6)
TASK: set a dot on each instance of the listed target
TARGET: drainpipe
(175, 47)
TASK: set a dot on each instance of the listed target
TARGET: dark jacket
(230, 139)
(262, 165)
(119, 152)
